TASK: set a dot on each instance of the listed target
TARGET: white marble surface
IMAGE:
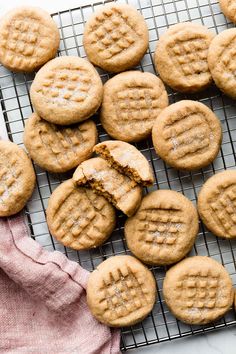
(218, 342)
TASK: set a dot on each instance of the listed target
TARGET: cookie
(28, 39)
(228, 7)
(121, 291)
(181, 57)
(57, 148)
(221, 60)
(116, 37)
(17, 178)
(66, 90)
(131, 103)
(117, 188)
(164, 228)
(217, 202)
(198, 290)
(79, 218)
(187, 135)
(127, 160)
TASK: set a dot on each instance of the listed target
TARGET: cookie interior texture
(28, 38)
(17, 178)
(78, 217)
(59, 148)
(187, 135)
(198, 290)
(183, 50)
(163, 229)
(116, 37)
(216, 204)
(66, 90)
(121, 291)
(126, 159)
(118, 189)
(221, 61)
(131, 103)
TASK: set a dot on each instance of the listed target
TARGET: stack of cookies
(60, 135)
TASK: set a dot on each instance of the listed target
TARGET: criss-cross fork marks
(67, 85)
(24, 39)
(137, 103)
(10, 172)
(79, 223)
(223, 209)
(112, 33)
(190, 56)
(187, 135)
(122, 293)
(227, 59)
(202, 291)
(161, 227)
(62, 143)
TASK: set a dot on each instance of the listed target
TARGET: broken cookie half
(117, 188)
(126, 159)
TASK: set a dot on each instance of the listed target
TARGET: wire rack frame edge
(16, 107)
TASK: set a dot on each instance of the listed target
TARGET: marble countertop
(222, 341)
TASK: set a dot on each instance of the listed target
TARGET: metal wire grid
(16, 106)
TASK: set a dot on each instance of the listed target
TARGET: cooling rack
(16, 107)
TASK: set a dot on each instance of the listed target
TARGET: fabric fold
(43, 305)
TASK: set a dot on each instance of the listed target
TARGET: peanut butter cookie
(187, 135)
(198, 290)
(56, 148)
(17, 178)
(79, 218)
(181, 57)
(28, 38)
(228, 7)
(127, 160)
(121, 291)
(164, 228)
(66, 90)
(217, 203)
(120, 190)
(221, 60)
(116, 37)
(131, 103)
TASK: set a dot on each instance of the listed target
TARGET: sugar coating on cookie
(217, 202)
(198, 290)
(164, 228)
(28, 38)
(131, 103)
(228, 7)
(221, 60)
(17, 178)
(187, 135)
(121, 291)
(119, 189)
(66, 90)
(57, 148)
(116, 37)
(79, 218)
(126, 159)
(181, 57)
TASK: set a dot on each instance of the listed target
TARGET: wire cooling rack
(16, 107)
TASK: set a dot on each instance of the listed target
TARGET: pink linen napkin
(43, 307)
